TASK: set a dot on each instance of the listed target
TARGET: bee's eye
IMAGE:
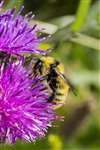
(40, 63)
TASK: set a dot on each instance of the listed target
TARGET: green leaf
(86, 40)
(81, 14)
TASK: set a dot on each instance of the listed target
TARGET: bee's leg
(52, 97)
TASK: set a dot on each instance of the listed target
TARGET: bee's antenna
(48, 51)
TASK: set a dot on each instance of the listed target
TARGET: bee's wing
(72, 88)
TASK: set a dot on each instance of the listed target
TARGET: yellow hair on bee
(47, 60)
(50, 60)
(55, 81)
(62, 92)
(60, 68)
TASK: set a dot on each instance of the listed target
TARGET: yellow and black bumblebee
(58, 84)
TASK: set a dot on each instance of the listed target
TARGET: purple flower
(16, 36)
(24, 111)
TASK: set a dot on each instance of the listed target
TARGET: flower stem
(81, 14)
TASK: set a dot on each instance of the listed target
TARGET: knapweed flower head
(24, 111)
(16, 35)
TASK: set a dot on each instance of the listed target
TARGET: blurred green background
(75, 29)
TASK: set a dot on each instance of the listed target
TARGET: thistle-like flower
(24, 111)
(16, 36)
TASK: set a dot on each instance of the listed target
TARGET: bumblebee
(58, 84)
(56, 79)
